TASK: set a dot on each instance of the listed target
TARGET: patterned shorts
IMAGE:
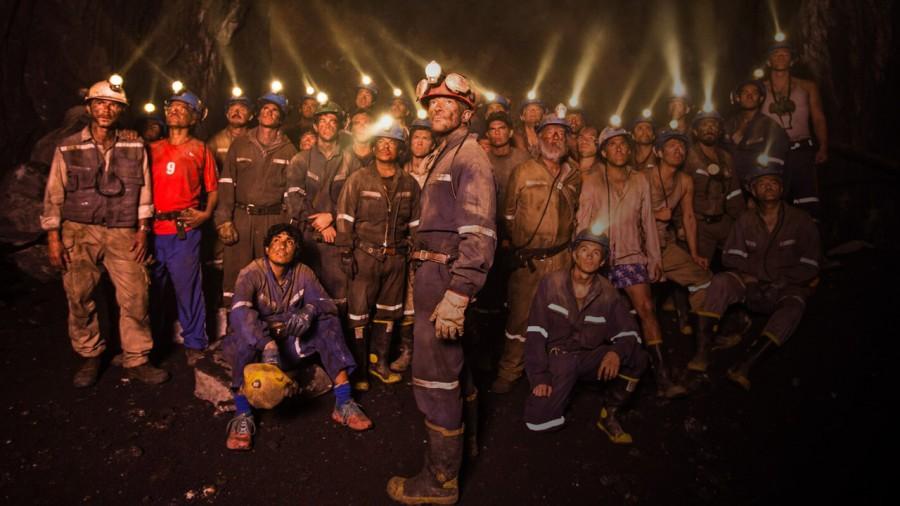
(625, 275)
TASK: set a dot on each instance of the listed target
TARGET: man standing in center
(539, 218)
(454, 247)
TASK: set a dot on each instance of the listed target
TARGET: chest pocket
(241, 165)
(787, 251)
(403, 204)
(533, 196)
(372, 207)
(80, 178)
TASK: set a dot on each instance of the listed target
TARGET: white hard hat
(107, 91)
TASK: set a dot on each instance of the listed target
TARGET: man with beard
(97, 208)
(586, 145)
(616, 200)
(183, 169)
(376, 212)
(644, 133)
(256, 189)
(718, 199)
(772, 256)
(580, 328)
(539, 220)
(750, 133)
(454, 249)
(530, 114)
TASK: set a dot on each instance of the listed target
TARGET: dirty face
(359, 127)
(386, 149)
(180, 115)
(421, 143)
(238, 115)
(398, 109)
(498, 133)
(270, 116)
(152, 132)
(643, 133)
(553, 142)
(307, 141)
(104, 113)
(708, 131)
(576, 119)
(445, 114)
(588, 257)
(532, 114)
(748, 97)
(767, 188)
(364, 98)
(673, 152)
(780, 59)
(678, 108)
(308, 108)
(587, 142)
(617, 151)
(282, 249)
(326, 127)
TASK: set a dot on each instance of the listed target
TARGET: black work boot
(758, 349)
(146, 373)
(437, 482)
(381, 343)
(665, 387)
(88, 373)
(360, 349)
(470, 415)
(733, 330)
(401, 364)
(682, 310)
(617, 393)
(706, 329)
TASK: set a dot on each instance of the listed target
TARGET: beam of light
(490, 96)
(646, 113)
(708, 106)
(383, 34)
(598, 227)
(592, 48)
(337, 33)
(310, 90)
(633, 80)
(774, 12)
(546, 59)
(705, 41)
(282, 36)
(780, 37)
(671, 48)
(366, 80)
(657, 94)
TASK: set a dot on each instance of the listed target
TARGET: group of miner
(376, 245)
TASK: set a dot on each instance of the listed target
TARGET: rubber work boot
(741, 373)
(618, 392)
(381, 342)
(146, 373)
(470, 415)
(682, 311)
(706, 328)
(88, 373)
(665, 387)
(359, 347)
(240, 432)
(401, 364)
(437, 482)
(730, 339)
(351, 415)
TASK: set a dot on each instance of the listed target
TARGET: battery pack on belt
(180, 228)
(430, 256)
(377, 249)
(260, 210)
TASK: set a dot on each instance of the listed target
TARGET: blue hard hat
(500, 99)
(420, 124)
(188, 98)
(765, 165)
(243, 99)
(610, 132)
(274, 98)
(781, 45)
(531, 101)
(392, 131)
(665, 135)
(641, 119)
(707, 114)
(553, 119)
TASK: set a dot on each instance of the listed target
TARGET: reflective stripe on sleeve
(539, 330)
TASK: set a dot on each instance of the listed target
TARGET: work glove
(299, 322)
(348, 263)
(449, 315)
(227, 233)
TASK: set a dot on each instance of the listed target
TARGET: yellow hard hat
(265, 385)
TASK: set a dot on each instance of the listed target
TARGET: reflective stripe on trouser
(179, 261)
(543, 413)
(712, 236)
(801, 185)
(678, 266)
(376, 289)
(87, 245)
(785, 306)
(251, 231)
(437, 363)
(326, 338)
(523, 285)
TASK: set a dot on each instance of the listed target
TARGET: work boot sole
(739, 378)
(390, 379)
(395, 489)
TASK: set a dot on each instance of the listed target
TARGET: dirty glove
(270, 355)
(300, 321)
(449, 315)
(227, 233)
(348, 263)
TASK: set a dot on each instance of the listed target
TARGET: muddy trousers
(712, 236)
(324, 338)
(679, 267)
(523, 284)
(801, 184)
(251, 229)
(566, 368)
(785, 305)
(178, 261)
(87, 246)
(375, 293)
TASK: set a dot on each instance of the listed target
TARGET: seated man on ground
(580, 328)
(280, 314)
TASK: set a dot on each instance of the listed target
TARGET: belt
(168, 215)
(377, 249)
(802, 144)
(258, 210)
(712, 219)
(541, 253)
(430, 256)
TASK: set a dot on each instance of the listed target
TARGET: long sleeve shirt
(540, 207)
(376, 210)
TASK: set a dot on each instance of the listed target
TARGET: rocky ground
(815, 428)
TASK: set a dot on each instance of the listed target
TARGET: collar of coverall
(593, 293)
(280, 140)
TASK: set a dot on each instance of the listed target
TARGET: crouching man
(280, 314)
(579, 328)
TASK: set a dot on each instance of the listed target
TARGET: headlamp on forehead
(561, 111)
(149, 108)
(398, 92)
(115, 82)
(177, 87)
(276, 86)
(433, 72)
(673, 124)
(310, 90)
(236, 92)
(490, 96)
(780, 37)
(758, 73)
(615, 120)
(532, 94)
(366, 80)
(422, 114)
(573, 101)
(321, 97)
(647, 113)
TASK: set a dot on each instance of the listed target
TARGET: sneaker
(148, 374)
(351, 415)
(240, 432)
(88, 373)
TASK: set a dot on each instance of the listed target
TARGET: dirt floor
(814, 429)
